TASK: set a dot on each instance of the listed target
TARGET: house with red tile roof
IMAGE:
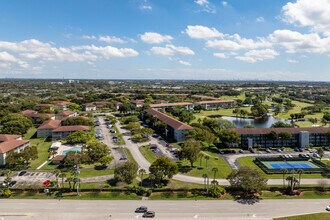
(11, 143)
(65, 114)
(46, 128)
(63, 131)
(175, 128)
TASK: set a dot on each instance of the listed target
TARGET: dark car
(148, 214)
(141, 209)
(12, 183)
(22, 173)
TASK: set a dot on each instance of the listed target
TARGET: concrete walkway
(145, 164)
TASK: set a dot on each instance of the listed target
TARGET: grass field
(148, 154)
(248, 161)
(316, 216)
(93, 172)
(41, 145)
(200, 168)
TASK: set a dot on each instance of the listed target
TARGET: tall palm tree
(206, 159)
(57, 173)
(215, 170)
(300, 172)
(284, 171)
(62, 176)
(205, 177)
(141, 173)
(214, 183)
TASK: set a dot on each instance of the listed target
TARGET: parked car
(296, 149)
(22, 173)
(149, 214)
(12, 183)
(252, 151)
(221, 152)
(268, 150)
(279, 150)
(316, 155)
(141, 209)
(241, 151)
(123, 158)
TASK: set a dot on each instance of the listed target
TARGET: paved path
(179, 210)
(143, 163)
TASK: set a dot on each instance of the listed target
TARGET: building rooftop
(71, 128)
(50, 124)
(8, 137)
(11, 145)
(215, 101)
(172, 122)
(66, 113)
(170, 104)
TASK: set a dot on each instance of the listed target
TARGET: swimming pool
(73, 149)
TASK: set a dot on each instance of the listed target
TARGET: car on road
(123, 158)
(141, 209)
(327, 208)
(241, 151)
(149, 214)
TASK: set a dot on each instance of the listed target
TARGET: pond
(264, 122)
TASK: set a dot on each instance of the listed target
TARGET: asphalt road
(90, 209)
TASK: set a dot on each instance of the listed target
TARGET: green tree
(141, 173)
(284, 136)
(248, 180)
(191, 150)
(15, 124)
(259, 110)
(281, 124)
(105, 160)
(163, 167)
(30, 153)
(96, 150)
(126, 172)
(284, 172)
(228, 137)
(320, 152)
(78, 137)
(273, 136)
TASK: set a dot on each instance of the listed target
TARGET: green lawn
(316, 216)
(148, 154)
(248, 161)
(200, 168)
(119, 135)
(93, 172)
(84, 196)
(41, 145)
(175, 184)
(129, 155)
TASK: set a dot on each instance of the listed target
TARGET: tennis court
(289, 165)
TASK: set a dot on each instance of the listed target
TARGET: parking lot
(24, 178)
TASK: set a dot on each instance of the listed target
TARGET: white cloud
(185, 63)
(155, 38)
(88, 37)
(224, 4)
(170, 50)
(292, 61)
(202, 32)
(7, 57)
(260, 19)
(309, 13)
(145, 6)
(111, 39)
(235, 42)
(295, 42)
(206, 6)
(107, 52)
(221, 55)
(253, 56)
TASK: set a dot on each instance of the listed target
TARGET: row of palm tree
(292, 180)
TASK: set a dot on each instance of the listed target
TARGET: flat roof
(279, 130)
(215, 101)
(170, 104)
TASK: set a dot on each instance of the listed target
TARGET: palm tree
(300, 172)
(214, 183)
(291, 182)
(200, 155)
(152, 177)
(215, 170)
(62, 176)
(206, 159)
(57, 173)
(141, 173)
(205, 177)
(284, 171)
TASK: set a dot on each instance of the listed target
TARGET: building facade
(298, 137)
(11, 143)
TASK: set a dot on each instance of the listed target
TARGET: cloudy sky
(165, 39)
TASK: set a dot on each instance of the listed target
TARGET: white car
(327, 208)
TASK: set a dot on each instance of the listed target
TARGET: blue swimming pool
(74, 149)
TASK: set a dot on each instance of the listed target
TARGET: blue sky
(165, 39)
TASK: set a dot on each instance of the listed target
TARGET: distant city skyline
(173, 39)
